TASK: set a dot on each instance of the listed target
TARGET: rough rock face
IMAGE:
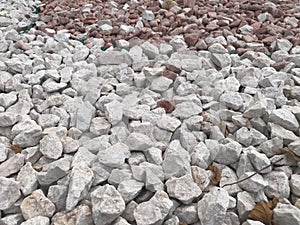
(123, 112)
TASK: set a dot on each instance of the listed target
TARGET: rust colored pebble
(169, 74)
(167, 105)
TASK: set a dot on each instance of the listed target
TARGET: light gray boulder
(213, 206)
(9, 192)
(245, 204)
(38, 220)
(278, 185)
(286, 214)
(51, 146)
(107, 204)
(153, 211)
(37, 204)
(284, 118)
(81, 179)
(129, 189)
(183, 189)
(12, 165)
(114, 156)
(27, 178)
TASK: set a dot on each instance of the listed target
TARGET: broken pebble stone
(114, 156)
(185, 110)
(12, 165)
(166, 105)
(107, 204)
(26, 133)
(278, 185)
(168, 123)
(51, 146)
(153, 211)
(114, 112)
(38, 220)
(129, 189)
(9, 192)
(183, 189)
(286, 214)
(81, 179)
(213, 206)
(27, 177)
(138, 142)
(37, 204)
(284, 118)
(295, 184)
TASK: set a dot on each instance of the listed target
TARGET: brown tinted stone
(167, 105)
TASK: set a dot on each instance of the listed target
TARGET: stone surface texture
(149, 112)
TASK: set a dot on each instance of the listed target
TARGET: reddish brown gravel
(200, 25)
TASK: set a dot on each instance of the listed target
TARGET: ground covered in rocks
(103, 128)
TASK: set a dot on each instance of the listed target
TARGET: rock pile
(238, 25)
(126, 136)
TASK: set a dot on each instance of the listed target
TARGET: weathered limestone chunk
(278, 185)
(176, 160)
(9, 192)
(153, 211)
(114, 156)
(54, 171)
(129, 189)
(81, 215)
(37, 204)
(81, 180)
(107, 204)
(84, 115)
(51, 146)
(295, 184)
(212, 207)
(28, 179)
(138, 142)
(26, 133)
(183, 189)
(12, 165)
(286, 214)
(38, 220)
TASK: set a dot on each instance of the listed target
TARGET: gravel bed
(116, 130)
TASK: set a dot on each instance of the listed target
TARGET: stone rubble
(106, 121)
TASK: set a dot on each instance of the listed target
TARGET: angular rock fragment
(286, 214)
(284, 118)
(114, 156)
(245, 204)
(58, 195)
(295, 184)
(114, 112)
(27, 178)
(51, 146)
(12, 165)
(278, 185)
(138, 142)
(9, 192)
(176, 160)
(81, 215)
(37, 204)
(253, 184)
(153, 211)
(107, 204)
(129, 189)
(183, 189)
(168, 123)
(38, 220)
(26, 133)
(213, 206)
(84, 115)
(53, 171)
(81, 179)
